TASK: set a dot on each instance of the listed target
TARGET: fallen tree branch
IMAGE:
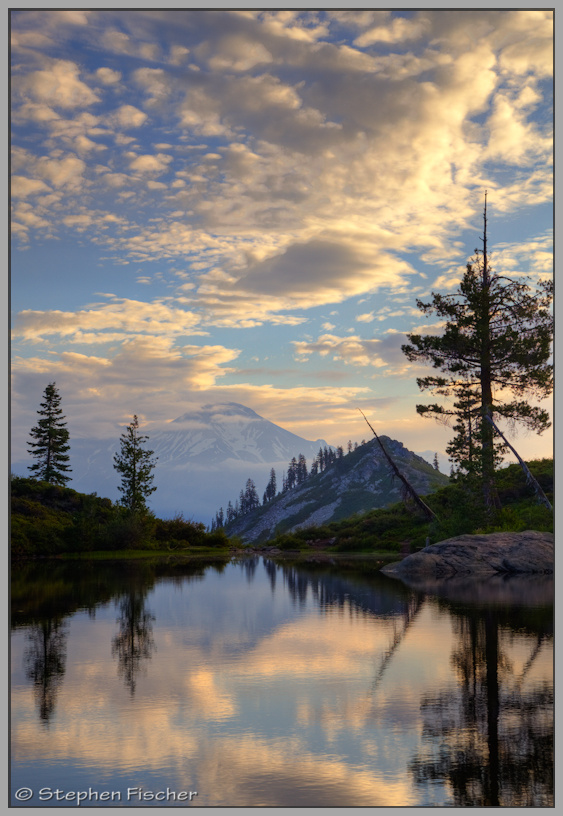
(430, 514)
(530, 479)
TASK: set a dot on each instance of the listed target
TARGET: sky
(244, 205)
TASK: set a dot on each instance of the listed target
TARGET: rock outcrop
(495, 553)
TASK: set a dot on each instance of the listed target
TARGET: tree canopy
(51, 436)
(493, 352)
(135, 464)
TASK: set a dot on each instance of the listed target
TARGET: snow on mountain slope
(229, 431)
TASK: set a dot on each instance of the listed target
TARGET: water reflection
(409, 615)
(491, 737)
(45, 660)
(134, 643)
(283, 684)
(360, 589)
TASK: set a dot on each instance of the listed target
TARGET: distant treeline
(297, 473)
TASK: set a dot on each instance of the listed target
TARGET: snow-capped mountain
(204, 459)
(225, 431)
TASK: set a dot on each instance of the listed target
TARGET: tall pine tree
(51, 437)
(135, 465)
(496, 344)
(270, 492)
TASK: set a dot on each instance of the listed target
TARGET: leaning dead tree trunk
(530, 479)
(412, 611)
(409, 489)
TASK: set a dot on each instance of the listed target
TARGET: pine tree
(435, 463)
(292, 473)
(50, 448)
(465, 448)
(301, 472)
(251, 500)
(496, 342)
(270, 492)
(135, 465)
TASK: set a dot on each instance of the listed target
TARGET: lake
(253, 682)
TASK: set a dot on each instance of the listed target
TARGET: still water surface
(256, 683)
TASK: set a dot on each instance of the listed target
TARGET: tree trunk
(409, 489)
(490, 495)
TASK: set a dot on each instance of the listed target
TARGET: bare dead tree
(530, 479)
(408, 488)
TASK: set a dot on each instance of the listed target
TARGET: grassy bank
(49, 520)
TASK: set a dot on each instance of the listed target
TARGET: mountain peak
(354, 483)
(212, 411)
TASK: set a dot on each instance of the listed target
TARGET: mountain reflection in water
(267, 683)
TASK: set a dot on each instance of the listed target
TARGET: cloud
(121, 315)
(532, 53)
(22, 40)
(511, 138)
(21, 186)
(66, 172)
(534, 258)
(399, 30)
(155, 82)
(304, 275)
(259, 165)
(178, 54)
(118, 42)
(235, 53)
(128, 116)
(103, 389)
(35, 112)
(58, 85)
(107, 76)
(149, 164)
(297, 151)
(26, 216)
(353, 350)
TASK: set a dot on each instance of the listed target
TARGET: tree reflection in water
(45, 662)
(492, 737)
(134, 642)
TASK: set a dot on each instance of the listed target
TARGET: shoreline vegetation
(49, 520)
